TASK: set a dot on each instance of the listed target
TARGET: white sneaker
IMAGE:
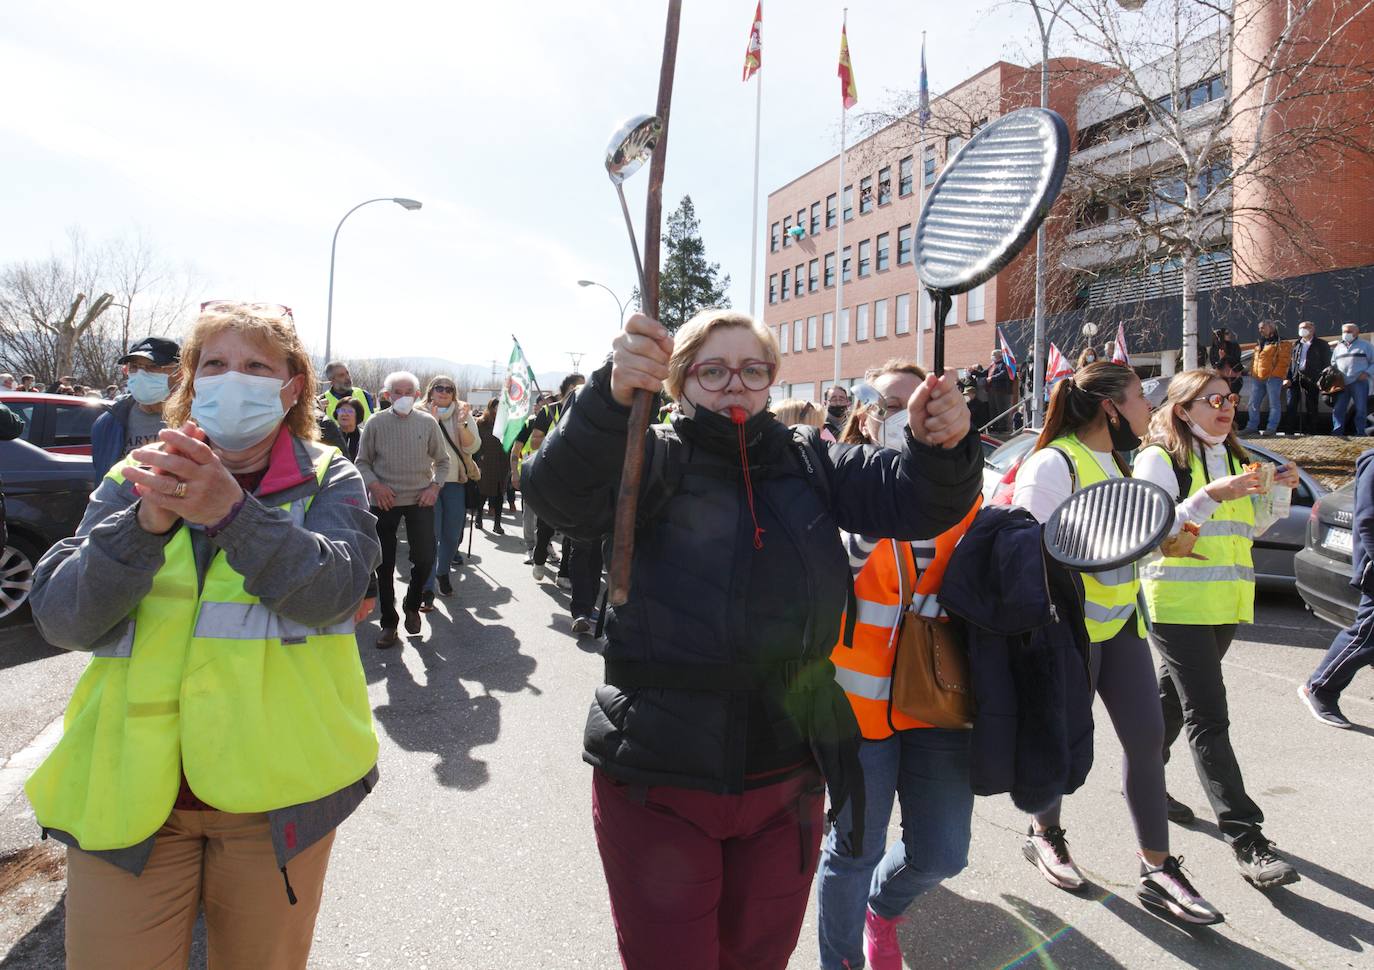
(539, 572)
(1166, 890)
(1048, 851)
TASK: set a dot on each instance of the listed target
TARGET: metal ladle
(629, 148)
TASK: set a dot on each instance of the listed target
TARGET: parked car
(1323, 564)
(56, 422)
(45, 496)
(1273, 552)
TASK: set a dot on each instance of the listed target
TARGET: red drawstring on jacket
(739, 416)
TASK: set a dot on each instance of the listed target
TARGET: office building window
(879, 318)
(952, 145)
(829, 269)
(773, 288)
(830, 211)
(903, 313)
(885, 185)
(828, 330)
(882, 251)
(801, 218)
(811, 325)
(786, 236)
(904, 176)
(783, 331)
(848, 202)
(813, 275)
(903, 245)
(928, 167)
(846, 270)
(815, 218)
(861, 322)
(975, 302)
(786, 282)
(774, 237)
(800, 280)
(866, 194)
(865, 258)
(798, 336)
(844, 325)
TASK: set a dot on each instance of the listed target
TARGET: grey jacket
(315, 573)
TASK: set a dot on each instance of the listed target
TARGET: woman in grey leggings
(1093, 417)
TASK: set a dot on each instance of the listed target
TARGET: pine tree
(688, 282)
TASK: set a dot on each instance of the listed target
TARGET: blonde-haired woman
(794, 412)
(216, 577)
(1196, 600)
(461, 438)
(720, 710)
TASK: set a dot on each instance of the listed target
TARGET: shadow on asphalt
(439, 715)
(21, 644)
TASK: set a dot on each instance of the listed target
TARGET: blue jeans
(927, 770)
(449, 512)
(1271, 387)
(1360, 392)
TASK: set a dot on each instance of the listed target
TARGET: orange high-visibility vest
(864, 669)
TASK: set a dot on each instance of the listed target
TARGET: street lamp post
(610, 291)
(410, 205)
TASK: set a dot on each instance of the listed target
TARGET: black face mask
(837, 411)
(1123, 438)
(717, 432)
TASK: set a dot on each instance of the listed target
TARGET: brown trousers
(116, 920)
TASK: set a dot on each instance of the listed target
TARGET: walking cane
(641, 138)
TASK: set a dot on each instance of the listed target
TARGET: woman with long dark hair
(495, 465)
(1094, 419)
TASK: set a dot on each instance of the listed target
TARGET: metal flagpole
(920, 293)
(754, 248)
(839, 239)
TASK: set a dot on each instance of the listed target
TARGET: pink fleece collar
(284, 470)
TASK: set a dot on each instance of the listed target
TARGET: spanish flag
(849, 91)
(753, 55)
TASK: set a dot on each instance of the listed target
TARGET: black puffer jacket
(702, 595)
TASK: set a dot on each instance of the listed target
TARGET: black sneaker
(457, 559)
(582, 625)
(1261, 866)
(1179, 813)
(426, 604)
(388, 639)
(445, 586)
(1328, 712)
(1165, 890)
(412, 622)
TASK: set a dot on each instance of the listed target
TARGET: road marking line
(16, 771)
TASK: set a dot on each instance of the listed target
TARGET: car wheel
(16, 576)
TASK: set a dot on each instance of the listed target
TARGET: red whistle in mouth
(737, 414)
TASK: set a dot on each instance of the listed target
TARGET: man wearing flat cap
(135, 418)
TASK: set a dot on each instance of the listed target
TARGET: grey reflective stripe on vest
(877, 614)
(863, 685)
(1199, 574)
(1226, 528)
(1116, 577)
(1101, 614)
(253, 621)
(926, 604)
(118, 643)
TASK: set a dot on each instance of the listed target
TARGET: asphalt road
(476, 850)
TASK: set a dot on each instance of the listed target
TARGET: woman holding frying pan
(1094, 418)
(720, 713)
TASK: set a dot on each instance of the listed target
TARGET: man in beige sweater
(404, 461)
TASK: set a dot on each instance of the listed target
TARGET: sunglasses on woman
(712, 375)
(443, 389)
(1215, 401)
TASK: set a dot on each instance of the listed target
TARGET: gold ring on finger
(179, 491)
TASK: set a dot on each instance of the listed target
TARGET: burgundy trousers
(700, 881)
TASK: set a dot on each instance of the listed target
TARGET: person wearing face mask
(136, 418)
(459, 431)
(1088, 356)
(1269, 368)
(861, 898)
(404, 460)
(1094, 419)
(1311, 356)
(720, 710)
(1354, 358)
(836, 410)
(221, 731)
(1196, 600)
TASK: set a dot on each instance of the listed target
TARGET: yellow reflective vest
(1109, 597)
(259, 711)
(1219, 589)
(333, 402)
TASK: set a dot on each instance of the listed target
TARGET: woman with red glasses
(1197, 592)
(720, 720)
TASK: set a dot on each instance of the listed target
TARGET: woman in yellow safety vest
(222, 730)
(1094, 418)
(861, 898)
(1195, 601)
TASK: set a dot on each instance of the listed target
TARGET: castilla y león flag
(753, 54)
(849, 91)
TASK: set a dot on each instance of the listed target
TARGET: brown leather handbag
(930, 677)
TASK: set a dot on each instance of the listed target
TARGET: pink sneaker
(880, 942)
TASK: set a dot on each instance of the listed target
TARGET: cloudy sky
(236, 136)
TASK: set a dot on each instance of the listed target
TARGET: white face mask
(148, 387)
(890, 435)
(236, 410)
(1211, 439)
(444, 412)
(1304, 333)
(1348, 337)
(402, 405)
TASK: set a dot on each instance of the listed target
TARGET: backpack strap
(1073, 469)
